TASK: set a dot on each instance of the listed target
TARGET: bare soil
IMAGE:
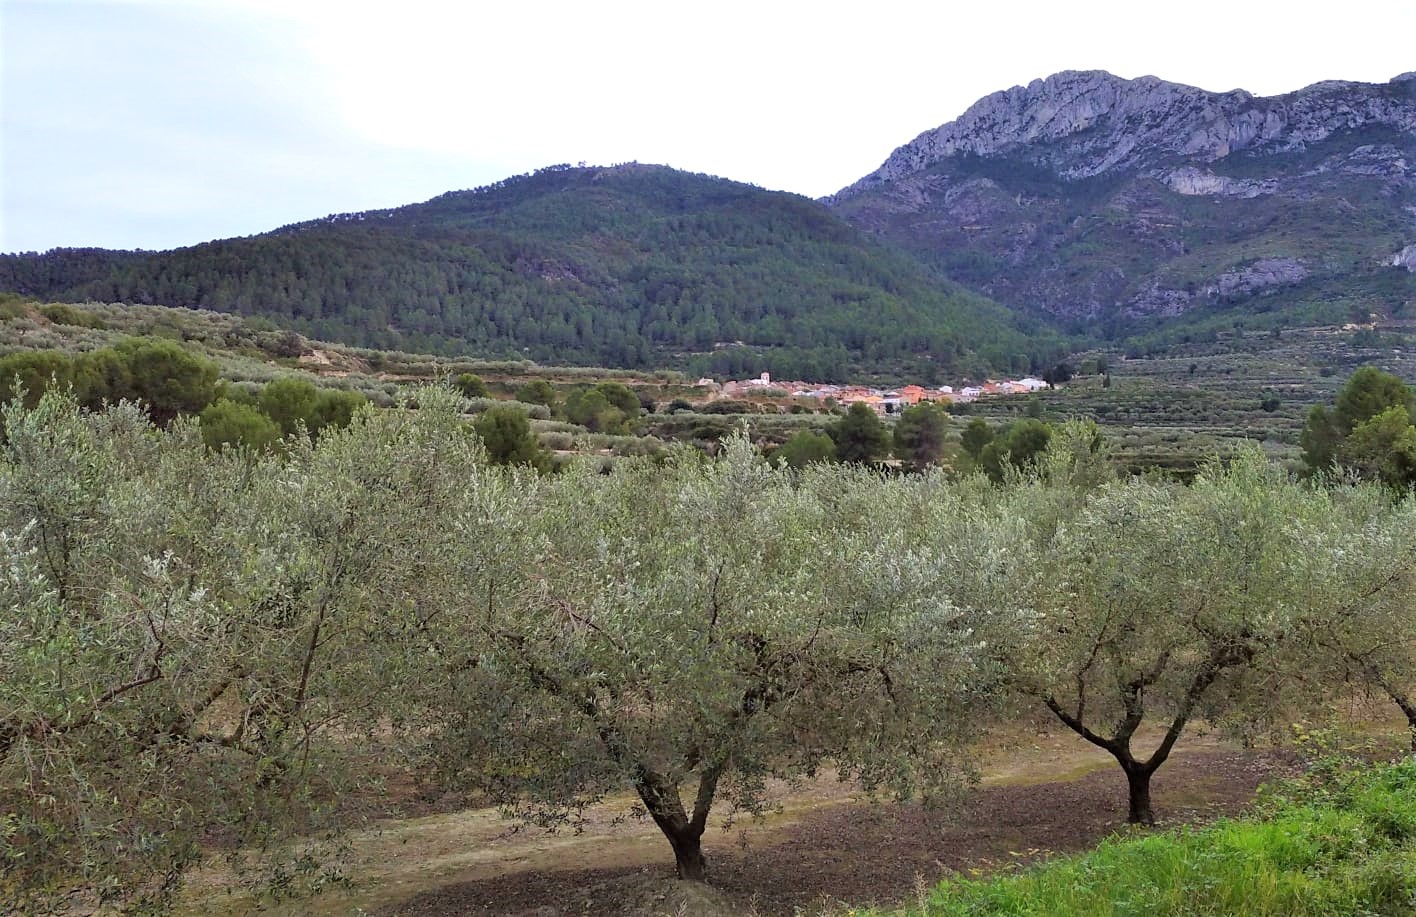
(825, 847)
(863, 853)
(1044, 792)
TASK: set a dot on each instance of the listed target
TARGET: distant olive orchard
(221, 643)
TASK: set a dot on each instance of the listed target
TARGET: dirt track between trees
(826, 847)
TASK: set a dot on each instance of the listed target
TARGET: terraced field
(1193, 400)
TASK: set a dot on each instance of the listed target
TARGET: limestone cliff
(1087, 195)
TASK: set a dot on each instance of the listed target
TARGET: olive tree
(1366, 633)
(1379, 644)
(686, 631)
(189, 644)
(1160, 601)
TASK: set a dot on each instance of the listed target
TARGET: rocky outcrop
(1376, 160)
(1088, 197)
(1158, 300)
(1088, 123)
(1192, 181)
(1260, 276)
(1405, 258)
(1266, 272)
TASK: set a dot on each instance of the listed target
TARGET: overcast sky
(159, 123)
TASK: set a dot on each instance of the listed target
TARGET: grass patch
(1349, 849)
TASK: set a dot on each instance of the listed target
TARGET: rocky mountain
(1105, 201)
(631, 266)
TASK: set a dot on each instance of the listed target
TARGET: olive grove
(185, 632)
(688, 632)
(208, 649)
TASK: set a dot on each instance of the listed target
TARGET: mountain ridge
(1103, 201)
(1108, 207)
(1055, 107)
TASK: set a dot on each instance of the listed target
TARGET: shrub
(805, 447)
(470, 385)
(726, 406)
(61, 314)
(32, 372)
(169, 379)
(228, 423)
(335, 408)
(636, 446)
(533, 411)
(506, 434)
(289, 402)
(537, 391)
(292, 402)
(558, 440)
(11, 307)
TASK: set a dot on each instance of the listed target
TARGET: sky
(160, 123)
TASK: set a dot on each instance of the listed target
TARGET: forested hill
(629, 266)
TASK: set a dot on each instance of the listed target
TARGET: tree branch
(1076, 725)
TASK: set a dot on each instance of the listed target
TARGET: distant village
(883, 401)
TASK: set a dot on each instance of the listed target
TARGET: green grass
(1348, 851)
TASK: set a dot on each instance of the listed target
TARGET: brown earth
(858, 853)
(332, 362)
(825, 846)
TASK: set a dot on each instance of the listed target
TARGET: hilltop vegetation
(633, 266)
(1132, 213)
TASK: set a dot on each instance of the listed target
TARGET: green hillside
(633, 266)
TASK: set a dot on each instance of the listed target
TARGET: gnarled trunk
(688, 855)
(684, 832)
(1131, 693)
(1138, 785)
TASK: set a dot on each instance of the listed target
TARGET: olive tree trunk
(1138, 785)
(688, 856)
(683, 831)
